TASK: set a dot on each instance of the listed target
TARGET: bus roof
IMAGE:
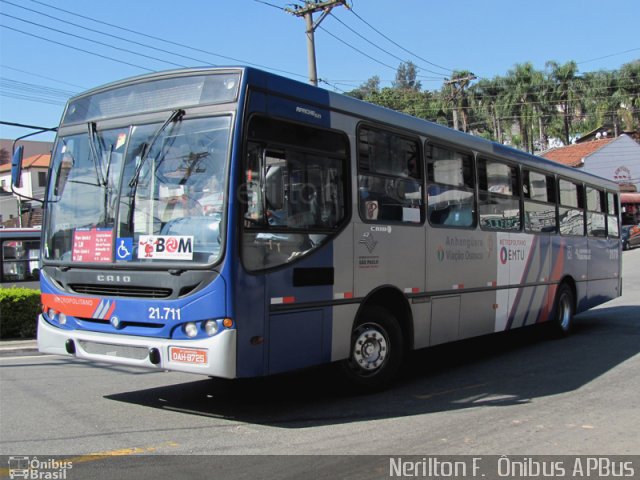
(367, 112)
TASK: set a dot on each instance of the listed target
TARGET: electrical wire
(170, 42)
(97, 42)
(382, 49)
(75, 48)
(42, 76)
(67, 22)
(449, 70)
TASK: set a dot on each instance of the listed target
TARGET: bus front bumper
(215, 356)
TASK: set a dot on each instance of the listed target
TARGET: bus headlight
(211, 327)
(62, 319)
(190, 329)
(52, 314)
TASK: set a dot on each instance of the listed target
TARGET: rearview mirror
(16, 167)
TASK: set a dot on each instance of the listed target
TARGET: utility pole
(306, 11)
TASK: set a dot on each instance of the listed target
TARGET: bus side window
(389, 177)
(539, 202)
(450, 194)
(596, 207)
(613, 227)
(499, 194)
(571, 208)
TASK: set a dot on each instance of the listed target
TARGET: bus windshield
(140, 193)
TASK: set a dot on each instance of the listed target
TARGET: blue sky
(487, 38)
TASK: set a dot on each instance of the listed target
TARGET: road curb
(18, 346)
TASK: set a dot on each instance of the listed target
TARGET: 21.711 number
(164, 313)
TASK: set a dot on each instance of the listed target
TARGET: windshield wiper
(107, 188)
(174, 117)
(91, 126)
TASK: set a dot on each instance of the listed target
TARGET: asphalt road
(519, 394)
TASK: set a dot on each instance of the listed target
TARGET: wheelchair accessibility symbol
(124, 248)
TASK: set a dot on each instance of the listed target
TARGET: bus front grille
(121, 291)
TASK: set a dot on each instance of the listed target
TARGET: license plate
(195, 356)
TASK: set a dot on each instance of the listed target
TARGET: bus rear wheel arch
(376, 349)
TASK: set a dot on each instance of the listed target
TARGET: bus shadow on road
(498, 370)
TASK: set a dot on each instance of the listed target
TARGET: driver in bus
(179, 191)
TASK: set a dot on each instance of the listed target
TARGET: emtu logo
(440, 253)
(504, 255)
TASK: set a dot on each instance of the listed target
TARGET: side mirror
(16, 167)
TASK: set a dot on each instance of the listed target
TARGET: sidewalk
(18, 346)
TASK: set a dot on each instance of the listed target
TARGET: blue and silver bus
(235, 223)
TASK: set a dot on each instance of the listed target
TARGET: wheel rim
(565, 311)
(370, 348)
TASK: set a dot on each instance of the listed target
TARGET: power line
(608, 56)
(170, 42)
(42, 76)
(269, 4)
(22, 125)
(356, 49)
(380, 48)
(75, 48)
(67, 22)
(32, 87)
(92, 41)
(32, 98)
(448, 70)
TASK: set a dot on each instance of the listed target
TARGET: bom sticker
(165, 247)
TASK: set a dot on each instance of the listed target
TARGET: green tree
(629, 93)
(367, 89)
(486, 100)
(565, 90)
(520, 99)
(407, 77)
(601, 102)
(411, 102)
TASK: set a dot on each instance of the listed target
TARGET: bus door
(295, 177)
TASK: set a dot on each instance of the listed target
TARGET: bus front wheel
(376, 350)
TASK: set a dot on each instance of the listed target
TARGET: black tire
(625, 245)
(377, 350)
(563, 310)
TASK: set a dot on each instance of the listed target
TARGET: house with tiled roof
(617, 159)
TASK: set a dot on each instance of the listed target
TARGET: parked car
(630, 236)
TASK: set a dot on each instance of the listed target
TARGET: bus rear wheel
(564, 310)
(376, 350)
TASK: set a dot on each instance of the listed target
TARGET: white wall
(617, 155)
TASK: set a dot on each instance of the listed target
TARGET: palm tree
(600, 98)
(522, 86)
(629, 93)
(565, 92)
(486, 101)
